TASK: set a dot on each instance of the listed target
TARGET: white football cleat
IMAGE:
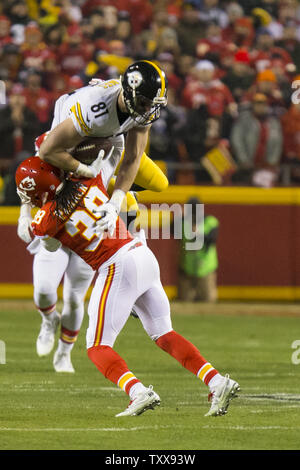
(62, 362)
(221, 396)
(143, 401)
(46, 338)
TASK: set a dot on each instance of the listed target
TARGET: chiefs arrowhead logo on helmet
(27, 184)
(37, 181)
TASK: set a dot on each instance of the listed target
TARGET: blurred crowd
(232, 66)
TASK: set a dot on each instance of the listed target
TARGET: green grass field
(41, 409)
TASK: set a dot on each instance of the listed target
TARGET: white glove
(51, 244)
(109, 213)
(24, 228)
(91, 171)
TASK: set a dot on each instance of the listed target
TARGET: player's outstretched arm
(54, 149)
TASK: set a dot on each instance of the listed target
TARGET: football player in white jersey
(102, 109)
(110, 109)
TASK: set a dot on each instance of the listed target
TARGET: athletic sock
(67, 339)
(113, 367)
(49, 312)
(136, 388)
(188, 355)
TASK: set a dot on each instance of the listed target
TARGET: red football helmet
(37, 181)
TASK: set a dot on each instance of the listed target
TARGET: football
(87, 151)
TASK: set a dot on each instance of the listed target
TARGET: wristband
(84, 170)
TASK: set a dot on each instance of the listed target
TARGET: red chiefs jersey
(214, 94)
(77, 232)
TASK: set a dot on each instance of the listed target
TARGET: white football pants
(129, 278)
(48, 271)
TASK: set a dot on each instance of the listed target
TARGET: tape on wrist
(84, 170)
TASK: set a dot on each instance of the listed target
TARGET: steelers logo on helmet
(145, 91)
(134, 79)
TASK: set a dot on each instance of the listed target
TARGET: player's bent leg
(113, 296)
(115, 369)
(222, 389)
(153, 309)
(48, 269)
(77, 279)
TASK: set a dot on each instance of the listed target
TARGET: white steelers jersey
(93, 109)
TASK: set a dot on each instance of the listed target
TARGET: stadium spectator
(211, 109)
(241, 33)
(234, 11)
(73, 53)
(203, 88)
(189, 29)
(210, 11)
(110, 19)
(38, 99)
(147, 41)
(18, 128)
(125, 34)
(33, 47)
(256, 141)
(11, 61)
(287, 12)
(213, 46)
(266, 83)
(54, 36)
(265, 51)
(50, 70)
(69, 12)
(198, 268)
(168, 42)
(184, 67)
(291, 141)
(18, 13)
(5, 34)
(240, 76)
(58, 85)
(140, 12)
(290, 42)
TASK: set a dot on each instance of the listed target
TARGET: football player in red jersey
(128, 276)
